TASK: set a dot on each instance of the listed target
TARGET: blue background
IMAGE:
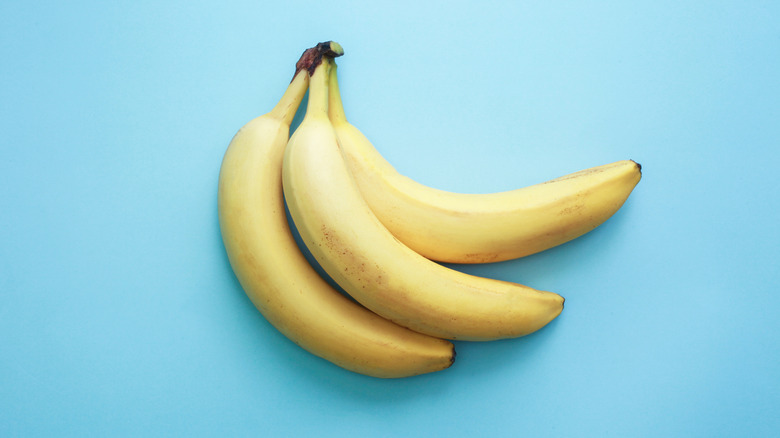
(120, 315)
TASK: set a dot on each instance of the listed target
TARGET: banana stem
(335, 106)
(291, 99)
(318, 91)
(305, 67)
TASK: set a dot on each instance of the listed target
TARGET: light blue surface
(120, 315)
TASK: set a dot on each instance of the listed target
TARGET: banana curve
(479, 228)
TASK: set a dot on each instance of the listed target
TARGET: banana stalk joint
(312, 57)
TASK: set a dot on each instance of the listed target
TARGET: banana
(278, 278)
(479, 228)
(364, 258)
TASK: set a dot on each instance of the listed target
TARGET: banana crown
(313, 57)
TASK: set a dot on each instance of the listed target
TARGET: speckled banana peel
(275, 274)
(354, 247)
(479, 228)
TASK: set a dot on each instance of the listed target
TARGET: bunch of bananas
(379, 236)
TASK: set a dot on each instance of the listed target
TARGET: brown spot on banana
(572, 209)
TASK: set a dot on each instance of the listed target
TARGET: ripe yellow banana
(478, 228)
(364, 258)
(278, 278)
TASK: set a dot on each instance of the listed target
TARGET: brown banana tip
(312, 57)
(638, 166)
(309, 58)
(331, 49)
(454, 354)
